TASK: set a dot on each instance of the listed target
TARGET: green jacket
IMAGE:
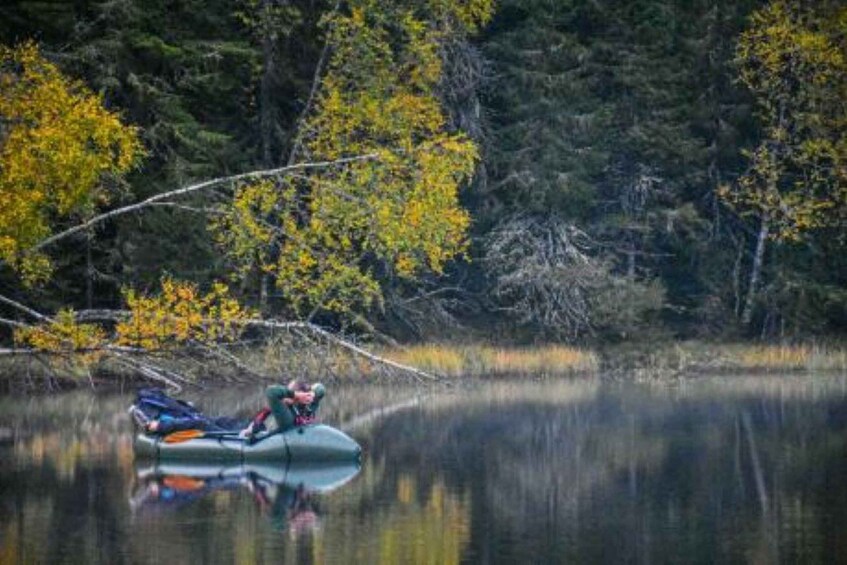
(285, 415)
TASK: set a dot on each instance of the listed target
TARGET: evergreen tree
(618, 119)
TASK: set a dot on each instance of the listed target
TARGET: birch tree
(793, 59)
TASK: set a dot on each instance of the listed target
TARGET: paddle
(185, 435)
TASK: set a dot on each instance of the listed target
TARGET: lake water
(706, 470)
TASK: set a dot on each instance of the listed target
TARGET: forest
(515, 172)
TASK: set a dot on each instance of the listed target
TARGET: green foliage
(190, 85)
(619, 119)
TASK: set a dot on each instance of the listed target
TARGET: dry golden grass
(481, 360)
(700, 357)
(792, 357)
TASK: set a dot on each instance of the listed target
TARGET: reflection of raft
(312, 477)
(313, 443)
(283, 489)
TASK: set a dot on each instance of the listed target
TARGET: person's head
(299, 386)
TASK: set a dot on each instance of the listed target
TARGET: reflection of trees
(633, 474)
(59, 464)
(55, 518)
(63, 431)
(433, 531)
(409, 524)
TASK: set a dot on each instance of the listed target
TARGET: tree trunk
(264, 287)
(755, 271)
(89, 273)
(266, 122)
(266, 113)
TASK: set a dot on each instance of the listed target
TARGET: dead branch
(101, 315)
(149, 371)
(13, 323)
(313, 93)
(343, 343)
(545, 270)
(193, 209)
(228, 357)
(22, 308)
(252, 175)
(18, 351)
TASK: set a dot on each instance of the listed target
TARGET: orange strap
(183, 483)
(183, 435)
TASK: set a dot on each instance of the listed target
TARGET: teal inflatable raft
(312, 443)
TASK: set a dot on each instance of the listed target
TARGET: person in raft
(293, 405)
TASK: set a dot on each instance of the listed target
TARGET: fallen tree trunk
(117, 315)
(158, 198)
(128, 357)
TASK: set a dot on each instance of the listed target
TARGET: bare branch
(228, 357)
(194, 209)
(21, 307)
(194, 188)
(18, 351)
(415, 372)
(13, 323)
(313, 93)
(101, 315)
(150, 372)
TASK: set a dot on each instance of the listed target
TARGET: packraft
(184, 433)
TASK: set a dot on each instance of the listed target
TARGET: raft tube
(312, 443)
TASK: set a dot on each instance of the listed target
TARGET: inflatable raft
(312, 443)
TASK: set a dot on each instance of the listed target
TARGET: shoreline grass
(283, 360)
(695, 357)
(637, 360)
(486, 360)
(808, 357)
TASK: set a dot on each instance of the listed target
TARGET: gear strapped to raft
(152, 404)
(174, 415)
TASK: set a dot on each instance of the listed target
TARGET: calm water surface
(707, 471)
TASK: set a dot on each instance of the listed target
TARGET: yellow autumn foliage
(180, 314)
(793, 58)
(57, 142)
(63, 334)
(398, 212)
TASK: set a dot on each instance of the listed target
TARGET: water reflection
(709, 470)
(286, 493)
